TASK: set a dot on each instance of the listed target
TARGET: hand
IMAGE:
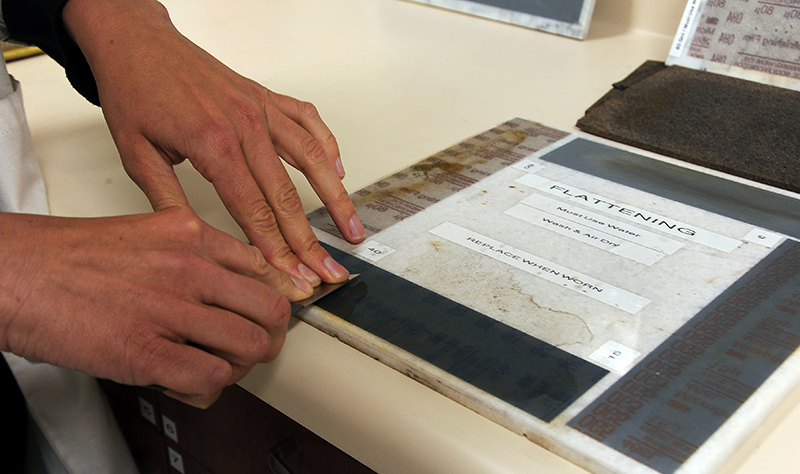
(122, 297)
(166, 100)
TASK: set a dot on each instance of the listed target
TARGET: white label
(603, 223)
(615, 356)
(175, 459)
(170, 429)
(586, 234)
(147, 410)
(373, 250)
(542, 268)
(533, 181)
(685, 28)
(638, 216)
(763, 237)
(528, 165)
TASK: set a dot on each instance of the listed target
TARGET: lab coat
(77, 432)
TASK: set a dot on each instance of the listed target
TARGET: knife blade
(320, 291)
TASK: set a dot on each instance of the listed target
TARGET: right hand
(166, 100)
(160, 298)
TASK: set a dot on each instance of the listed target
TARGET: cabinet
(239, 434)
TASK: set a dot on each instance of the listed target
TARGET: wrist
(18, 236)
(105, 30)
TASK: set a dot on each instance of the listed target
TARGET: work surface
(396, 82)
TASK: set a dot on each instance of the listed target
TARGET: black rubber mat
(528, 373)
(731, 125)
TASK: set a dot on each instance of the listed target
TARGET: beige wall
(658, 16)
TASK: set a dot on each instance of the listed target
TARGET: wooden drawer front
(239, 434)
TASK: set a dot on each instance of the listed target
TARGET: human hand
(159, 298)
(166, 100)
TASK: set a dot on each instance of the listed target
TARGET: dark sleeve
(39, 22)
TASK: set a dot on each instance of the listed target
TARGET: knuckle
(263, 218)
(257, 263)
(330, 141)
(215, 377)
(308, 110)
(178, 269)
(285, 199)
(282, 312)
(226, 143)
(221, 137)
(188, 226)
(187, 233)
(187, 266)
(250, 115)
(143, 350)
(340, 196)
(256, 344)
(280, 255)
(308, 245)
(314, 152)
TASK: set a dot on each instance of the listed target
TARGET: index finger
(306, 143)
(290, 226)
(307, 116)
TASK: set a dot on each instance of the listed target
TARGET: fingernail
(356, 228)
(333, 266)
(303, 285)
(311, 277)
(339, 167)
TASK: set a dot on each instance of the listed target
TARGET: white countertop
(396, 81)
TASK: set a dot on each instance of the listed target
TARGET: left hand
(166, 100)
(157, 298)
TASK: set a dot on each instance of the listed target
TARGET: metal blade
(319, 292)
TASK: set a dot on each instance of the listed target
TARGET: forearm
(72, 31)
(115, 35)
